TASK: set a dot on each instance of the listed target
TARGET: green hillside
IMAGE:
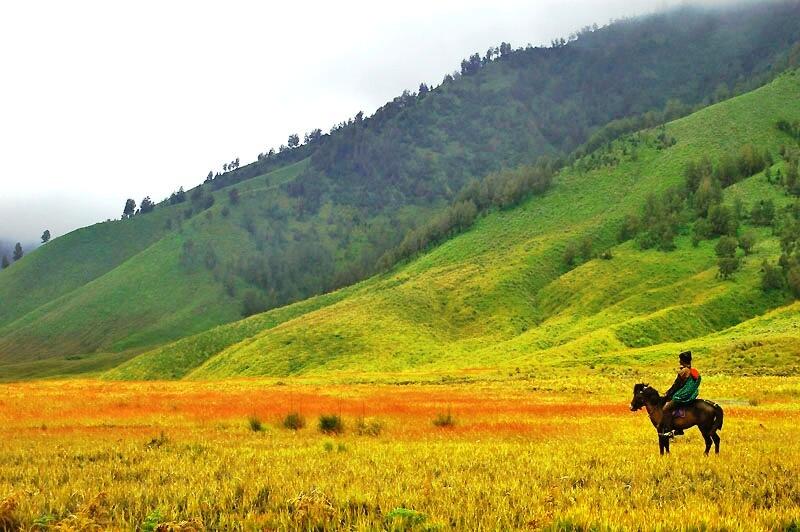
(500, 295)
(332, 210)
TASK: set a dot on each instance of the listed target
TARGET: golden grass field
(523, 453)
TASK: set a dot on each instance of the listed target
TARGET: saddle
(679, 412)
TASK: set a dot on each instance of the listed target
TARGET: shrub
(158, 442)
(771, 277)
(747, 241)
(586, 248)
(233, 196)
(793, 280)
(629, 228)
(444, 420)
(368, 427)
(763, 213)
(151, 522)
(570, 254)
(294, 421)
(405, 519)
(331, 424)
(722, 220)
(727, 266)
(726, 247)
(255, 423)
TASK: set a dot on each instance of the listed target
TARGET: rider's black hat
(685, 357)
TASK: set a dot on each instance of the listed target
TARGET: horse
(706, 415)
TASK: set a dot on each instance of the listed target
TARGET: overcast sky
(101, 101)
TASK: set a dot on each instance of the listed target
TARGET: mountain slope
(320, 216)
(500, 295)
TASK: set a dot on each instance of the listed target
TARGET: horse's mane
(651, 393)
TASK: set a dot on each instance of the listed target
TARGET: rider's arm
(675, 387)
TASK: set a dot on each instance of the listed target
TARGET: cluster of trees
(728, 262)
(15, 256)
(787, 272)
(130, 210)
(790, 128)
(791, 180)
(579, 251)
(500, 190)
(475, 62)
(233, 165)
(265, 163)
(699, 201)
(179, 196)
(616, 129)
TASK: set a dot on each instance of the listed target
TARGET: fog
(102, 101)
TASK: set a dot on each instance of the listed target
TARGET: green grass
(109, 290)
(499, 296)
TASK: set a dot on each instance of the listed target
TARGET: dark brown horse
(705, 414)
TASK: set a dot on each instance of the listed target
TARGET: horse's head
(642, 393)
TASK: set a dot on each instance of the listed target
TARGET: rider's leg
(666, 418)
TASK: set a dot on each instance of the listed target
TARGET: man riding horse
(682, 393)
(705, 415)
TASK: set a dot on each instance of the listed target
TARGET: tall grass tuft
(368, 427)
(444, 420)
(255, 423)
(331, 424)
(294, 421)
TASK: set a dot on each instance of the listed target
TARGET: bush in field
(368, 427)
(444, 420)
(747, 241)
(728, 266)
(793, 279)
(404, 519)
(331, 424)
(570, 254)
(151, 522)
(255, 423)
(726, 247)
(771, 277)
(294, 421)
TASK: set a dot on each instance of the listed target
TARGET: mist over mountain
(73, 173)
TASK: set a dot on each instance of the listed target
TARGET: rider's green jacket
(685, 388)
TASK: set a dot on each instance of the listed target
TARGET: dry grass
(524, 454)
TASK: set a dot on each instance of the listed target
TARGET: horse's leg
(707, 438)
(661, 440)
(666, 444)
(715, 437)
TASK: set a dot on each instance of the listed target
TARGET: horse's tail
(719, 415)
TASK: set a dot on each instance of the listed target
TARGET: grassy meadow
(557, 454)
